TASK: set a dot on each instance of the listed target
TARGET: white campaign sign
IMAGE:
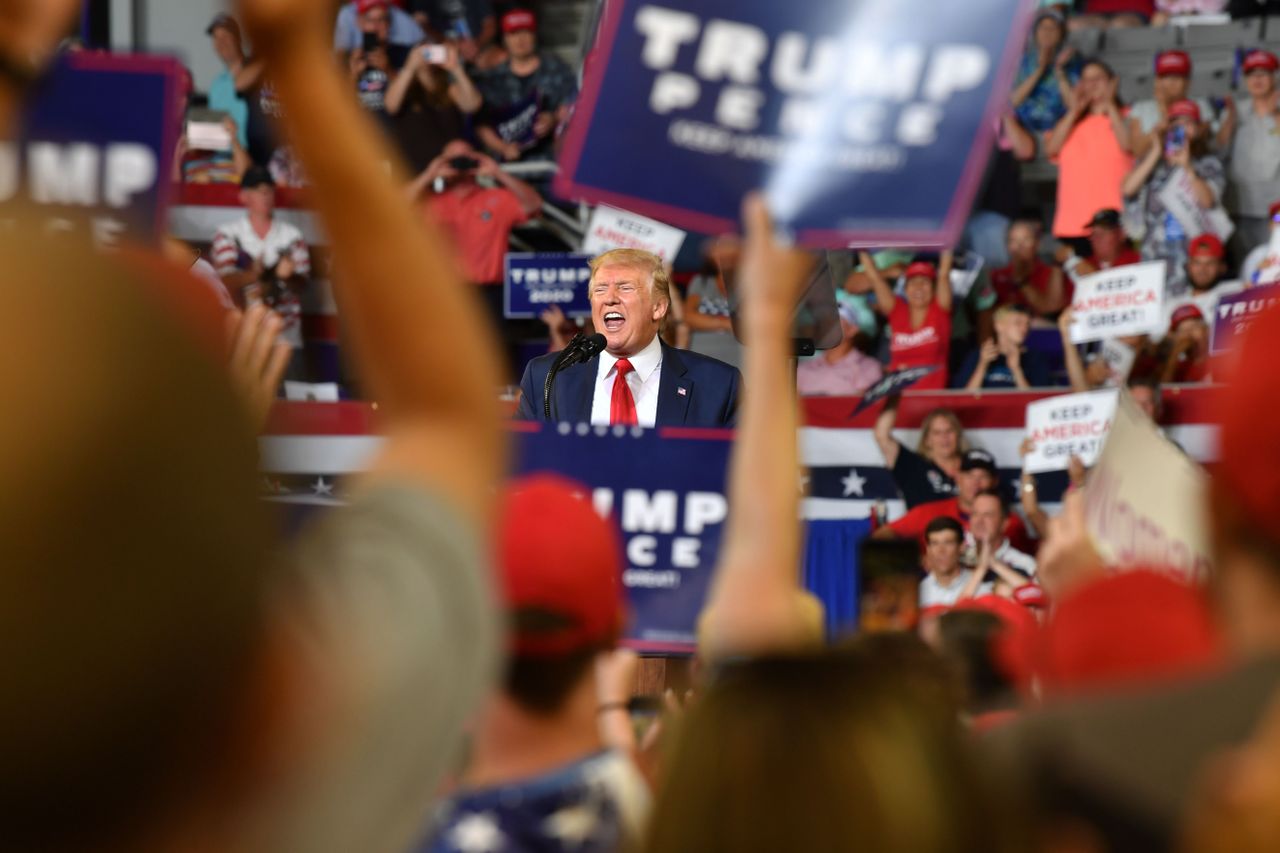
(1144, 503)
(1127, 300)
(1066, 426)
(612, 228)
(1179, 198)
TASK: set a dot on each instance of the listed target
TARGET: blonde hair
(648, 262)
(962, 444)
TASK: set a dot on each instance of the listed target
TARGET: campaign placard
(95, 147)
(1144, 502)
(668, 497)
(535, 281)
(894, 383)
(866, 122)
(1127, 300)
(1234, 314)
(611, 228)
(1066, 426)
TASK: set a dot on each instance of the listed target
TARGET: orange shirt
(1091, 167)
(479, 221)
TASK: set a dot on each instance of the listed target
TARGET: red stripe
(1183, 405)
(987, 410)
(228, 195)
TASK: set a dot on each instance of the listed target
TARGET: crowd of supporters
(436, 666)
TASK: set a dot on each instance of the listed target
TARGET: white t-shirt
(643, 382)
(934, 594)
(1207, 302)
(237, 245)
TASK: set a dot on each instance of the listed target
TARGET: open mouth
(613, 321)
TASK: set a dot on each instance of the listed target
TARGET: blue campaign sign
(667, 494)
(96, 146)
(866, 121)
(535, 281)
(1236, 312)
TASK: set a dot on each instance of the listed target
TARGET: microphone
(581, 348)
(586, 348)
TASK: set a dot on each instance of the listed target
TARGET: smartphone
(464, 164)
(1176, 138)
(436, 54)
(370, 42)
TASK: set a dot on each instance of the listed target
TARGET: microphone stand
(581, 348)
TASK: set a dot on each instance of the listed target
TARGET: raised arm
(884, 293)
(405, 307)
(754, 603)
(883, 431)
(1071, 355)
(1141, 171)
(942, 289)
(1062, 130)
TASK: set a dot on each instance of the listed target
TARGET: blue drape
(831, 568)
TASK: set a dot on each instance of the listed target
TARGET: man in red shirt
(978, 473)
(1111, 246)
(478, 218)
(1027, 280)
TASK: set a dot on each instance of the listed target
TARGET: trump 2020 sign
(865, 121)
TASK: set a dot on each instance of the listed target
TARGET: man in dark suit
(637, 380)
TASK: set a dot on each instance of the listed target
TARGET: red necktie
(622, 409)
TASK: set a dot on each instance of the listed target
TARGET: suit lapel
(574, 390)
(675, 390)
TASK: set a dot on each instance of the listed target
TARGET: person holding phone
(373, 64)
(428, 101)
(479, 218)
(1179, 152)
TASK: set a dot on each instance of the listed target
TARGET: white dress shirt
(934, 594)
(643, 382)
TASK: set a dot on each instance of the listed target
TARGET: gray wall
(174, 27)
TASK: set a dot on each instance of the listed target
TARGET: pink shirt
(846, 377)
(1091, 168)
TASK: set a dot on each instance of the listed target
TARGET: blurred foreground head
(1245, 494)
(824, 752)
(132, 552)
(561, 566)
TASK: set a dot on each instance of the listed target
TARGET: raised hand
(258, 359)
(772, 276)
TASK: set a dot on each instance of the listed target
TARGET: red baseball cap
(1260, 60)
(1186, 108)
(1182, 314)
(363, 6)
(923, 268)
(557, 555)
(1248, 472)
(518, 19)
(1127, 627)
(1205, 244)
(1273, 210)
(1173, 63)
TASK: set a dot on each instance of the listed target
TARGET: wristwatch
(1029, 488)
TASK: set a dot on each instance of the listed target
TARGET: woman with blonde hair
(927, 473)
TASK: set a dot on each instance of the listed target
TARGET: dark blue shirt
(1034, 368)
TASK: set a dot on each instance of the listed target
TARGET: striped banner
(308, 447)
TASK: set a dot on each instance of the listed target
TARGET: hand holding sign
(1125, 300)
(1067, 426)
